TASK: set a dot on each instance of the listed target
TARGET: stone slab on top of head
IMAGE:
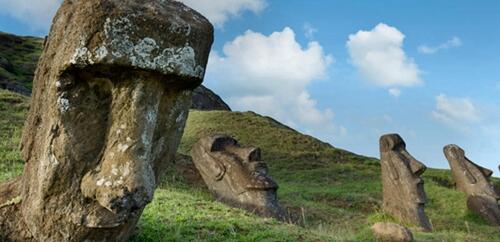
(403, 189)
(236, 175)
(111, 97)
(475, 182)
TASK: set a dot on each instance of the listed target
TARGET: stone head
(111, 97)
(403, 189)
(475, 182)
(236, 175)
(468, 176)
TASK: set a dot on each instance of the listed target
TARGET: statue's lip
(257, 188)
(262, 182)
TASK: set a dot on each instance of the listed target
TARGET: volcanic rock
(111, 96)
(236, 175)
(403, 189)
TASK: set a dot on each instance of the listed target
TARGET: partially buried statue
(111, 97)
(236, 175)
(403, 189)
(474, 181)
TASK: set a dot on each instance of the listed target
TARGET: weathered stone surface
(475, 182)
(206, 99)
(236, 175)
(392, 232)
(486, 207)
(110, 101)
(403, 189)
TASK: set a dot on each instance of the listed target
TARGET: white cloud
(36, 14)
(270, 75)
(219, 11)
(451, 43)
(395, 92)
(309, 31)
(456, 111)
(380, 58)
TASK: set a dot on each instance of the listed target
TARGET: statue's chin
(103, 218)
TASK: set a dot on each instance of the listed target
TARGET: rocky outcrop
(474, 181)
(391, 232)
(236, 175)
(205, 99)
(111, 97)
(403, 189)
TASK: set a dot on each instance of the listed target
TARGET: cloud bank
(220, 11)
(270, 75)
(379, 56)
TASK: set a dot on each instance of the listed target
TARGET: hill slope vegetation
(18, 60)
(335, 194)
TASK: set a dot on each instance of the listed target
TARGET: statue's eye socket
(257, 167)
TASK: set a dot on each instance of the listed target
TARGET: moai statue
(403, 189)
(236, 175)
(474, 181)
(111, 97)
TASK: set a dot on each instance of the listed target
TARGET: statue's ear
(393, 172)
(456, 154)
(218, 170)
(465, 169)
(210, 166)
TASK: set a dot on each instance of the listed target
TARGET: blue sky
(350, 71)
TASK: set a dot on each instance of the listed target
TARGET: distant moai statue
(111, 97)
(403, 189)
(236, 175)
(474, 181)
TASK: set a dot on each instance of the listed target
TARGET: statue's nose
(124, 179)
(417, 167)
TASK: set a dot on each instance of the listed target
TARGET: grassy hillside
(334, 194)
(13, 108)
(18, 58)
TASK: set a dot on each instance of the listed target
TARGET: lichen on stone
(119, 45)
(63, 104)
(13, 201)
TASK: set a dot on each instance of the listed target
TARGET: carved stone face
(403, 189)
(110, 101)
(474, 181)
(468, 176)
(236, 175)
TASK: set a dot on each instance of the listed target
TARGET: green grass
(13, 109)
(23, 54)
(182, 213)
(334, 194)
